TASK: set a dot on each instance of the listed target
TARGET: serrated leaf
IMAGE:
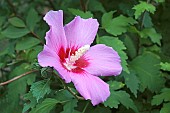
(40, 89)
(82, 14)
(32, 102)
(165, 66)
(32, 19)
(26, 43)
(46, 106)
(132, 82)
(143, 6)
(17, 22)
(114, 85)
(107, 18)
(120, 97)
(69, 106)
(13, 32)
(147, 68)
(152, 34)
(117, 45)
(117, 25)
(165, 108)
(164, 96)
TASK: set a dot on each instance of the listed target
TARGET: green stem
(85, 107)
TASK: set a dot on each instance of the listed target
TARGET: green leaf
(17, 22)
(147, 20)
(131, 47)
(132, 82)
(26, 43)
(165, 108)
(13, 32)
(152, 34)
(33, 52)
(95, 5)
(114, 85)
(82, 14)
(164, 96)
(69, 106)
(107, 18)
(99, 109)
(40, 89)
(32, 102)
(159, 1)
(147, 68)
(120, 97)
(143, 6)
(117, 45)
(118, 25)
(165, 66)
(63, 95)
(46, 106)
(32, 19)
(17, 88)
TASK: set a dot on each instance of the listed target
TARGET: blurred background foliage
(137, 30)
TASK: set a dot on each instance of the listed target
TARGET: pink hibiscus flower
(68, 50)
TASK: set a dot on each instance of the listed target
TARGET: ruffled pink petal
(91, 87)
(55, 37)
(48, 57)
(103, 61)
(80, 32)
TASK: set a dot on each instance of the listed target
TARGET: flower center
(71, 60)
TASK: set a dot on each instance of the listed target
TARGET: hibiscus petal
(103, 61)
(91, 87)
(55, 37)
(48, 57)
(80, 32)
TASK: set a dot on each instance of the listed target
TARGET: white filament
(69, 64)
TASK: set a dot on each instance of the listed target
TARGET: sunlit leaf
(82, 14)
(117, 25)
(143, 6)
(165, 66)
(114, 85)
(164, 96)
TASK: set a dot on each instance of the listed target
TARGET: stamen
(69, 64)
(80, 52)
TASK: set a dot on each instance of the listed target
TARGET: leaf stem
(17, 77)
(12, 6)
(83, 6)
